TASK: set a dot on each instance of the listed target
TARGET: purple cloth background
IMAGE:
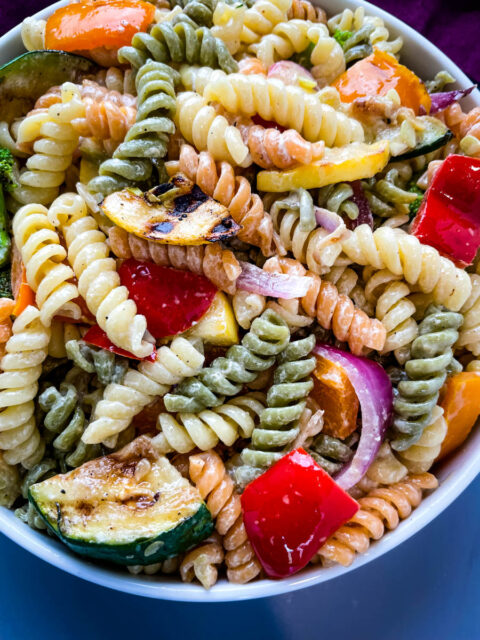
(453, 25)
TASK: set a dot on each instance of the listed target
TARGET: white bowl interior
(454, 474)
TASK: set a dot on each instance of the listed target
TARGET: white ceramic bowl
(454, 474)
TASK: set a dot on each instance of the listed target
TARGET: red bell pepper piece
(291, 510)
(170, 299)
(97, 336)
(449, 216)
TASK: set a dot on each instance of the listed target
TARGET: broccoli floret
(342, 36)
(414, 206)
(7, 162)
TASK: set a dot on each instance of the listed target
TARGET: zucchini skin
(425, 147)
(171, 543)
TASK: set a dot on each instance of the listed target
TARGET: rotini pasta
(331, 453)
(247, 306)
(98, 280)
(200, 124)
(209, 475)
(469, 337)
(122, 401)
(54, 141)
(286, 402)
(44, 258)
(287, 105)
(335, 311)
(260, 19)
(305, 10)
(33, 34)
(217, 264)
(9, 483)
(381, 509)
(201, 562)
(228, 24)
(107, 367)
(21, 368)
(233, 191)
(432, 358)
(147, 139)
(267, 337)
(420, 456)
(403, 255)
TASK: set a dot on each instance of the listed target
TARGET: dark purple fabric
(453, 25)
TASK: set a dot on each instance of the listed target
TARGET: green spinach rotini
(103, 363)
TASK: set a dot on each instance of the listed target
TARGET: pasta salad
(239, 280)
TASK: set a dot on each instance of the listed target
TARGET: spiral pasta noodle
(327, 56)
(387, 195)
(285, 39)
(122, 401)
(469, 337)
(385, 469)
(420, 456)
(65, 420)
(199, 123)
(228, 24)
(337, 198)
(267, 337)
(43, 257)
(104, 364)
(394, 309)
(21, 368)
(9, 483)
(372, 29)
(260, 19)
(287, 105)
(432, 357)
(331, 453)
(60, 334)
(98, 280)
(334, 311)
(270, 148)
(33, 34)
(179, 43)
(6, 309)
(217, 264)
(234, 419)
(54, 141)
(318, 249)
(278, 426)
(234, 192)
(305, 10)
(380, 509)
(209, 475)
(403, 255)
(200, 562)
(147, 139)
(196, 12)
(247, 306)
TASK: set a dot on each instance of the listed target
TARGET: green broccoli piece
(303, 58)
(7, 162)
(6, 282)
(342, 36)
(414, 206)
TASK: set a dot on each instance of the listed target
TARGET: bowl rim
(453, 481)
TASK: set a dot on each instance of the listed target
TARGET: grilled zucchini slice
(130, 507)
(177, 212)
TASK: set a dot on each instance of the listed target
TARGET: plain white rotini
(379, 36)
(43, 256)
(121, 402)
(60, 334)
(228, 24)
(200, 124)
(98, 280)
(195, 78)
(470, 330)
(403, 255)
(33, 34)
(185, 431)
(262, 17)
(247, 306)
(389, 296)
(287, 105)
(54, 141)
(318, 249)
(285, 39)
(386, 469)
(327, 56)
(421, 455)
(21, 368)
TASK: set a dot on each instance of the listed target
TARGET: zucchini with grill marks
(130, 507)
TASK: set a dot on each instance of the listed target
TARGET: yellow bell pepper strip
(460, 402)
(376, 75)
(355, 161)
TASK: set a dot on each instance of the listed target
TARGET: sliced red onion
(374, 392)
(275, 285)
(365, 215)
(444, 99)
(326, 219)
(292, 73)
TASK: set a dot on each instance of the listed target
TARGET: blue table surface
(426, 589)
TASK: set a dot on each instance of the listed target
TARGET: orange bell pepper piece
(461, 406)
(22, 293)
(334, 393)
(104, 23)
(376, 75)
